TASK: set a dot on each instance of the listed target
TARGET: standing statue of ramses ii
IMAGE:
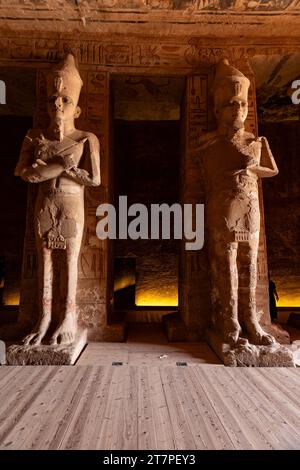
(233, 161)
(61, 160)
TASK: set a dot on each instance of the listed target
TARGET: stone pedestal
(2, 353)
(18, 355)
(250, 355)
(295, 348)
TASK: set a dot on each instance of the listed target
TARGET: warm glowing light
(288, 301)
(11, 299)
(124, 282)
(156, 299)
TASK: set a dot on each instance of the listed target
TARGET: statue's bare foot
(232, 332)
(258, 336)
(35, 338)
(66, 332)
(232, 338)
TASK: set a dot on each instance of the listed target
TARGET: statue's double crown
(64, 79)
(229, 83)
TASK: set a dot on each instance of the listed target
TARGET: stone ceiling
(269, 29)
(237, 18)
(274, 76)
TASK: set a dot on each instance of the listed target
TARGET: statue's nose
(237, 106)
(58, 102)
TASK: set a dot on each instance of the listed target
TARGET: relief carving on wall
(159, 53)
(187, 6)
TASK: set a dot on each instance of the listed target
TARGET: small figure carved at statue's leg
(66, 331)
(255, 332)
(45, 269)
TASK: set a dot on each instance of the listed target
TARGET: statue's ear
(77, 112)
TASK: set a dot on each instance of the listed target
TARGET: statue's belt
(65, 191)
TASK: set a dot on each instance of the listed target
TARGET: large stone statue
(233, 161)
(61, 160)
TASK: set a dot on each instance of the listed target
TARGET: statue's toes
(59, 339)
(266, 340)
(66, 338)
(53, 340)
(242, 341)
(28, 339)
(232, 338)
(71, 337)
(262, 339)
(62, 337)
(36, 341)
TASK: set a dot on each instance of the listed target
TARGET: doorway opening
(146, 147)
(15, 120)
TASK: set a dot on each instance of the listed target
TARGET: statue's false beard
(238, 124)
(58, 128)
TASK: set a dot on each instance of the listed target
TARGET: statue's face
(61, 107)
(233, 113)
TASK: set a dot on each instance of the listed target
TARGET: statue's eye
(67, 99)
(51, 99)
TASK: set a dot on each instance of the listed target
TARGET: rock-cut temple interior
(187, 349)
